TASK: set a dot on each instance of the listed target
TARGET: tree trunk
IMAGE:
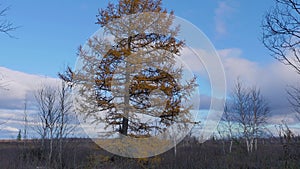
(251, 145)
(230, 147)
(51, 148)
(60, 144)
(248, 145)
(124, 130)
(126, 102)
(223, 145)
(255, 146)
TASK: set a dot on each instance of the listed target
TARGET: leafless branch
(281, 32)
(294, 98)
(6, 26)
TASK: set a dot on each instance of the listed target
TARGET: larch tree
(129, 82)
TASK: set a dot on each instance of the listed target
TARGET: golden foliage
(141, 57)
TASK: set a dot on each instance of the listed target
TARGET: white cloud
(222, 13)
(20, 86)
(271, 78)
(10, 129)
(236, 66)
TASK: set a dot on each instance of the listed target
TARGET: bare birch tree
(250, 111)
(48, 114)
(55, 119)
(226, 128)
(65, 119)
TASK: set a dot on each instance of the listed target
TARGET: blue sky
(51, 31)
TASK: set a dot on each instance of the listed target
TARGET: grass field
(214, 154)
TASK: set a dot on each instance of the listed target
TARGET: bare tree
(48, 114)
(259, 111)
(281, 35)
(6, 26)
(287, 137)
(25, 121)
(250, 111)
(281, 32)
(294, 98)
(240, 109)
(65, 118)
(55, 118)
(226, 128)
